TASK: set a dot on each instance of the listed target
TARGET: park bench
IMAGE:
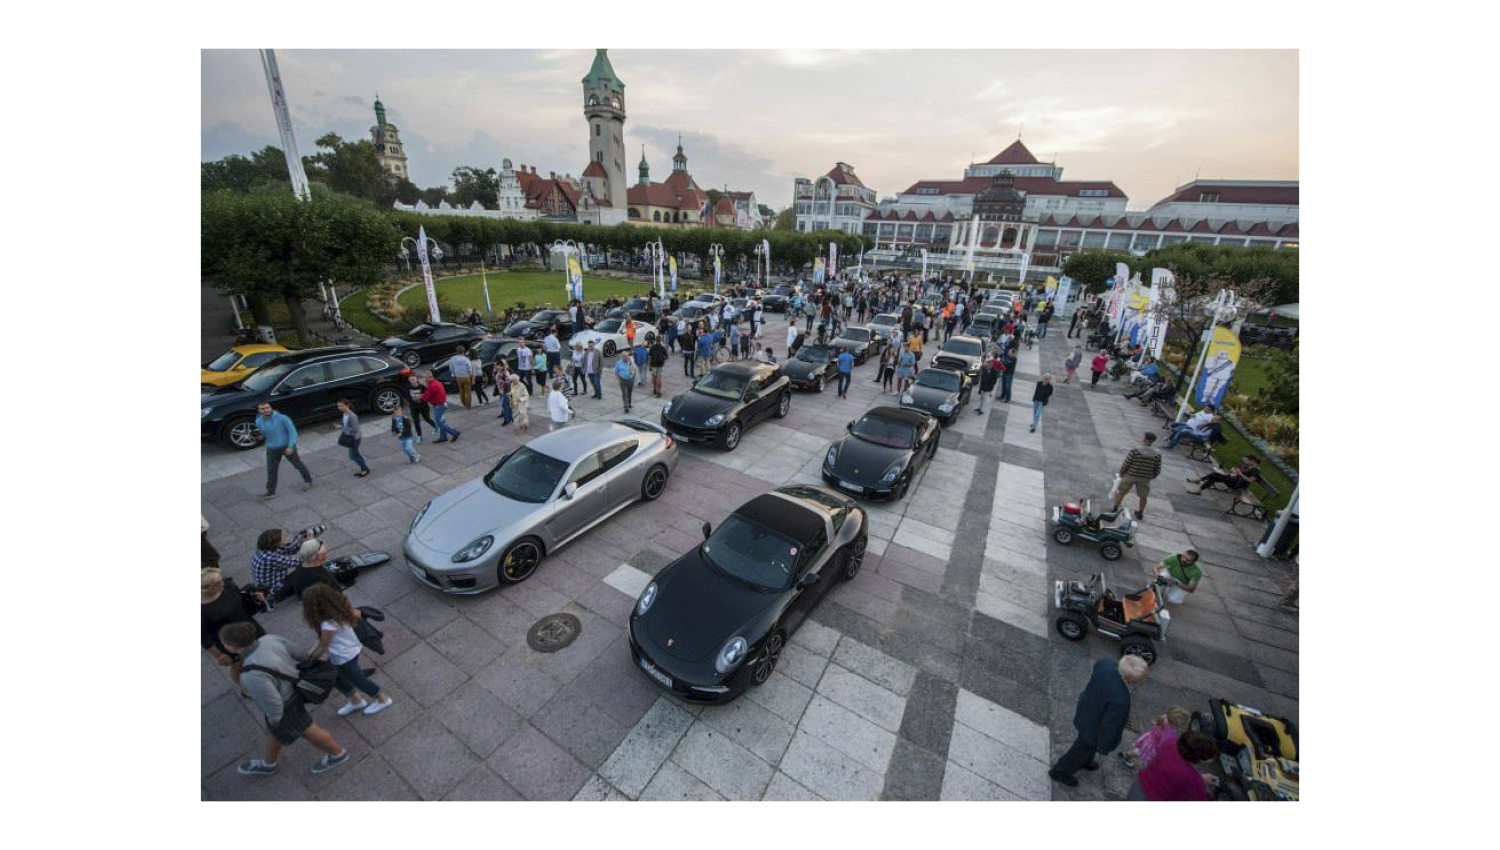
(1246, 502)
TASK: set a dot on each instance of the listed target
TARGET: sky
(756, 119)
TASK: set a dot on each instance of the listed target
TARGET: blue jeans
(594, 379)
(506, 414)
(1036, 414)
(408, 445)
(1005, 380)
(1180, 432)
(1041, 331)
(443, 428)
(351, 677)
(355, 456)
(844, 382)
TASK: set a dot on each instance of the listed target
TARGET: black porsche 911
(490, 351)
(883, 452)
(814, 367)
(640, 309)
(714, 622)
(536, 327)
(726, 402)
(861, 342)
(940, 392)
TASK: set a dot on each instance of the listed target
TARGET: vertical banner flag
(1156, 324)
(583, 257)
(284, 126)
(765, 245)
(833, 259)
(1064, 288)
(924, 263)
(575, 276)
(859, 268)
(1049, 289)
(718, 273)
(432, 304)
(484, 276)
(672, 264)
(818, 270)
(1218, 367)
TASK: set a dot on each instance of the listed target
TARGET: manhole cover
(553, 632)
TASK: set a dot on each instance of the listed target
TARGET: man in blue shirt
(846, 372)
(281, 441)
(625, 370)
(706, 343)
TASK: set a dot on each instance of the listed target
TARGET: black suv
(432, 341)
(305, 385)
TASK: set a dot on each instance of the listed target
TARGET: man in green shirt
(1182, 574)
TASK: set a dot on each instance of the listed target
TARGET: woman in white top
(329, 613)
(557, 406)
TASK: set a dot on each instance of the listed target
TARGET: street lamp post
(716, 251)
(427, 247)
(760, 256)
(657, 252)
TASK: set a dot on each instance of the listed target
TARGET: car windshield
(744, 549)
(545, 316)
(703, 298)
(885, 432)
(609, 326)
(692, 310)
(940, 379)
(720, 384)
(526, 476)
(223, 362)
(885, 320)
(857, 334)
(813, 354)
(968, 348)
(783, 290)
(264, 379)
(636, 304)
(418, 333)
(489, 349)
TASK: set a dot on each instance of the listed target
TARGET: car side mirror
(850, 427)
(808, 580)
(708, 529)
(239, 367)
(569, 489)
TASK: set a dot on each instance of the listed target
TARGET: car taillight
(670, 441)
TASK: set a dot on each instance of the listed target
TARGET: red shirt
(435, 394)
(1170, 777)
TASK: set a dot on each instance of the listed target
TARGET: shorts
(1141, 485)
(294, 721)
(656, 371)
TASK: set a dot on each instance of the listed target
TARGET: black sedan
(940, 392)
(640, 309)
(714, 622)
(813, 367)
(861, 342)
(727, 401)
(883, 453)
(535, 328)
(431, 341)
(777, 300)
(490, 350)
(961, 353)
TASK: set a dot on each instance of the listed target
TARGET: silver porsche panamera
(497, 529)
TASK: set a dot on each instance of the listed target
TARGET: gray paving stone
(927, 720)
(584, 729)
(522, 686)
(596, 790)
(466, 645)
(483, 784)
(801, 664)
(228, 730)
(849, 733)
(372, 778)
(1003, 725)
(914, 773)
(538, 768)
(786, 789)
(423, 610)
(827, 772)
(673, 783)
(646, 747)
(816, 637)
(891, 674)
(729, 769)
(752, 726)
(784, 696)
(962, 784)
(478, 718)
(872, 702)
(423, 674)
(429, 757)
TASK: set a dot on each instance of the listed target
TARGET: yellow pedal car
(1258, 752)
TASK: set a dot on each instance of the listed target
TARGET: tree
(351, 168)
(269, 244)
(713, 197)
(1093, 269)
(241, 174)
(472, 184)
(786, 220)
(1281, 392)
(434, 195)
(407, 191)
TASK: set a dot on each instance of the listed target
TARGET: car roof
(899, 414)
(964, 338)
(574, 442)
(329, 351)
(801, 523)
(259, 348)
(848, 328)
(741, 368)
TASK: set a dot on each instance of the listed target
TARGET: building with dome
(388, 149)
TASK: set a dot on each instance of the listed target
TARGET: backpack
(314, 682)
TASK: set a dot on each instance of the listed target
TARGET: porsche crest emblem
(670, 641)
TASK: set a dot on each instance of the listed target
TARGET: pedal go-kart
(1112, 530)
(1137, 620)
(1258, 752)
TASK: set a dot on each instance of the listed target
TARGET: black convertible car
(861, 342)
(883, 452)
(431, 341)
(726, 401)
(640, 309)
(940, 392)
(535, 327)
(714, 621)
(813, 367)
(490, 350)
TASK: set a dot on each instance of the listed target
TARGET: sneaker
(264, 496)
(456, 435)
(443, 440)
(327, 763)
(349, 708)
(1128, 759)
(306, 485)
(377, 707)
(256, 767)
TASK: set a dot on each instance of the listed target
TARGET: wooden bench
(1167, 414)
(1247, 504)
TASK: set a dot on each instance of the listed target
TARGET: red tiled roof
(1175, 226)
(738, 196)
(1016, 154)
(725, 206)
(946, 217)
(1231, 228)
(1288, 231)
(1232, 194)
(595, 170)
(928, 216)
(1146, 224)
(839, 175)
(1260, 229)
(1202, 227)
(663, 195)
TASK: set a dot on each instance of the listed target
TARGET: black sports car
(490, 350)
(640, 309)
(961, 353)
(726, 401)
(535, 328)
(714, 621)
(882, 453)
(814, 366)
(940, 392)
(305, 385)
(861, 342)
(777, 300)
(431, 341)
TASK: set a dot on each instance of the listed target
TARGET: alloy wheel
(387, 400)
(412, 359)
(520, 561)
(784, 405)
(656, 482)
(856, 559)
(766, 664)
(732, 436)
(244, 435)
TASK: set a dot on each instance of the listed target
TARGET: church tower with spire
(644, 169)
(387, 144)
(604, 109)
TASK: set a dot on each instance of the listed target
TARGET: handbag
(346, 440)
(369, 636)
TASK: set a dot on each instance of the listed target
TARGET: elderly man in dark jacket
(1103, 709)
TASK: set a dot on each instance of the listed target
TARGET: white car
(609, 335)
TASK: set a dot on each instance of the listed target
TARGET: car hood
(521, 328)
(468, 512)
(397, 342)
(698, 610)
(802, 368)
(930, 398)
(864, 463)
(692, 408)
(847, 344)
(966, 361)
(225, 395)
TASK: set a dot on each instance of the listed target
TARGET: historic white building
(603, 189)
(835, 201)
(1271, 201)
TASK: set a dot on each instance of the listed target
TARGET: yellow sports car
(237, 363)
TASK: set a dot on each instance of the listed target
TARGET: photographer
(312, 570)
(274, 557)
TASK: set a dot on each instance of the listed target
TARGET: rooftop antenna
(1020, 131)
(1196, 173)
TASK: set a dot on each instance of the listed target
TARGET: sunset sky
(754, 119)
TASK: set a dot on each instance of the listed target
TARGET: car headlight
(418, 518)
(906, 398)
(474, 550)
(945, 407)
(715, 419)
(648, 596)
(891, 475)
(731, 655)
(833, 456)
(206, 411)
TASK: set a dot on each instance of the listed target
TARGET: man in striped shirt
(1141, 466)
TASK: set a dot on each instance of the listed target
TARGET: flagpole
(484, 276)
(284, 125)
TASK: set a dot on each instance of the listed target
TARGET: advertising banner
(432, 303)
(575, 278)
(672, 266)
(1218, 367)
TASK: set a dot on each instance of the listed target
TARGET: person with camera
(274, 557)
(224, 603)
(270, 671)
(328, 612)
(312, 570)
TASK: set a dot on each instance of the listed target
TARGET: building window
(1119, 241)
(656, 215)
(1208, 197)
(1093, 240)
(1046, 238)
(1145, 241)
(596, 131)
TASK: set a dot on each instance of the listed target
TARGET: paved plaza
(934, 674)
